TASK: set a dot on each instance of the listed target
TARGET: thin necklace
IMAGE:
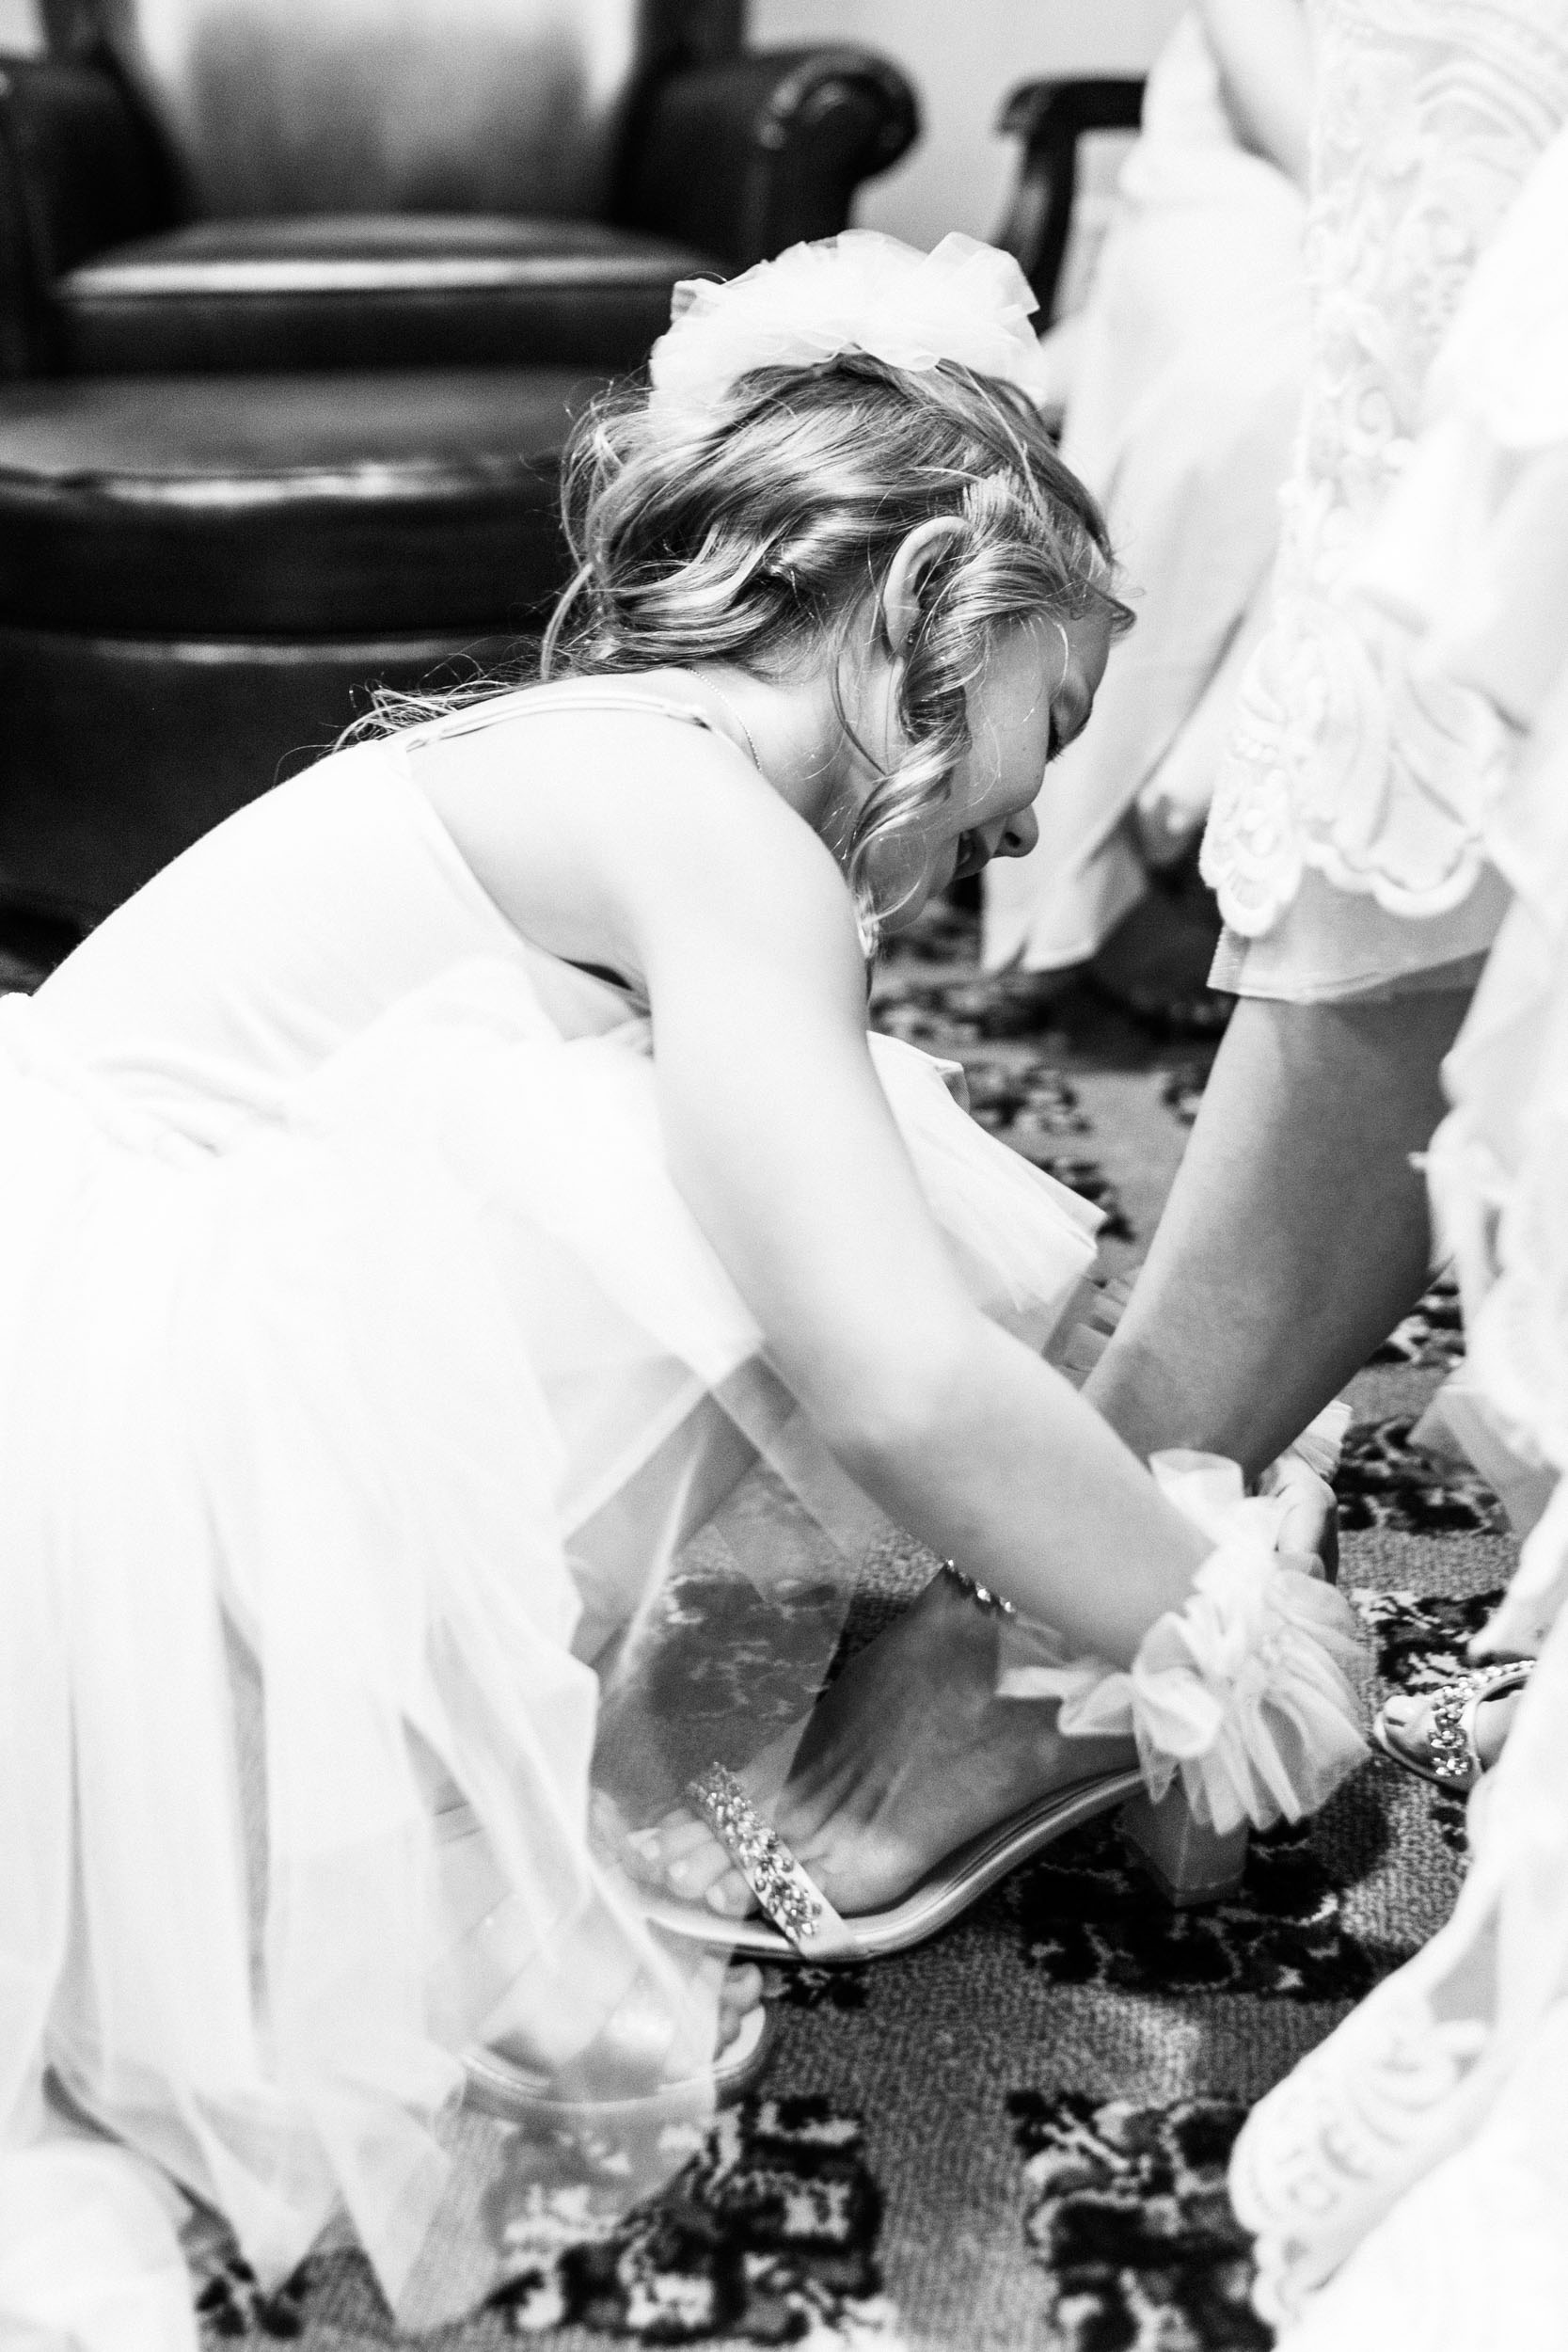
(737, 717)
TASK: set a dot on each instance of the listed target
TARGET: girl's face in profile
(1034, 696)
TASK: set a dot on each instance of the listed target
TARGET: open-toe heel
(1456, 1759)
(799, 1923)
(1188, 1861)
(1260, 1645)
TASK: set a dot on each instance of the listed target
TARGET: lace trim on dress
(1344, 760)
(1413, 2073)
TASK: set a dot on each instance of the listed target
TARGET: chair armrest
(79, 171)
(1051, 117)
(745, 155)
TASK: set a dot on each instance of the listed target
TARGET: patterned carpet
(1017, 2136)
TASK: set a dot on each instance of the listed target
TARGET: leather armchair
(1050, 118)
(296, 304)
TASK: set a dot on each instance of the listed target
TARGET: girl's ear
(906, 577)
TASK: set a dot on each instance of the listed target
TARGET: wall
(963, 56)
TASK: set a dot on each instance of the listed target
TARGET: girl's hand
(1309, 1528)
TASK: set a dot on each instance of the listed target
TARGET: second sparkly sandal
(1455, 1761)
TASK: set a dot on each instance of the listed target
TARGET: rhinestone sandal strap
(1451, 1743)
(1455, 1756)
(785, 1891)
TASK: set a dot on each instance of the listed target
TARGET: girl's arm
(1263, 52)
(782, 1144)
(648, 851)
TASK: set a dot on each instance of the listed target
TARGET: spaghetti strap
(523, 701)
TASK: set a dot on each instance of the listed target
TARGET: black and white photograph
(784, 1175)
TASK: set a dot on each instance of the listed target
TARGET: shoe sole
(513, 2093)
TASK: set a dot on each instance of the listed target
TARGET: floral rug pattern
(1386, 1482)
(1432, 1336)
(1129, 2218)
(1086, 1915)
(231, 2307)
(1014, 1090)
(768, 2234)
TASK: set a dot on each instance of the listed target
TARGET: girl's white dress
(1410, 2179)
(1183, 376)
(344, 1294)
(1346, 842)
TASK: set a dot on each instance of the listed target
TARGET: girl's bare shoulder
(577, 815)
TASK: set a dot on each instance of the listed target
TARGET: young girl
(424, 1202)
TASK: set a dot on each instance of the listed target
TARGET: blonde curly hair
(763, 533)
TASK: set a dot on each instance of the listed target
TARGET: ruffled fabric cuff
(1243, 1694)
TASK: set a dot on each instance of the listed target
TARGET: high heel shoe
(1237, 1706)
(1188, 1863)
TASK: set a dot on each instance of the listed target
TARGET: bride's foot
(907, 1756)
(1408, 1722)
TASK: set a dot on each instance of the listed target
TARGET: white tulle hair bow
(859, 292)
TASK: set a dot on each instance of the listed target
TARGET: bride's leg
(905, 1755)
(1296, 1234)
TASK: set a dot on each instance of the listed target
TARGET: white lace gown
(1410, 2179)
(1185, 379)
(1346, 842)
(344, 1294)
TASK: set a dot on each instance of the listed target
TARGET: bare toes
(679, 1833)
(694, 1872)
(682, 1854)
(741, 1993)
(1405, 1718)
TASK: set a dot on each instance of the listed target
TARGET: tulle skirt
(342, 1476)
